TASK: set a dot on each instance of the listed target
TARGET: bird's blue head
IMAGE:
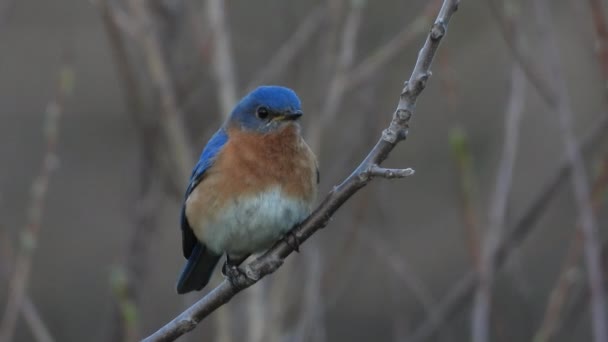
(266, 109)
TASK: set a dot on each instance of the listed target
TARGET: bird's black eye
(262, 113)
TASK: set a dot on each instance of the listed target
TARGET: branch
(171, 114)
(386, 53)
(580, 185)
(223, 58)
(29, 234)
(32, 317)
(291, 48)
(458, 297)
(272, 259)
(480, 317)
(342, 64)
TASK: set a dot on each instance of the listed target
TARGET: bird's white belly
(252, 224)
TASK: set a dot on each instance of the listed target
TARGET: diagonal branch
(171, 114)
(291, 48)
(580, 184)
(223, 58)
(482, 308)
(38, 195)
(272, 259)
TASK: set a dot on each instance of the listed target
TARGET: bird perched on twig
(254, 181)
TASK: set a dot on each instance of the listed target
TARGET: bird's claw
(292, 241)
(233, 273)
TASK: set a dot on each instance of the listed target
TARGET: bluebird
(254, 181)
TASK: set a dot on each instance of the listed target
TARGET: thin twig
(34, 321)
(589, 228)
(566, 279)
(460, 294)
(480, 321)
(272, 259)
(287, 53)
(38, 195)
(336, 88)
(462, 153)
(223, 58)
(370, 66)
(171, 114)
(601, 36)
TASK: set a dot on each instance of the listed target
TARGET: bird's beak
(289, 116)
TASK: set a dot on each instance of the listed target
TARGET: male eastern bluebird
(255, 180)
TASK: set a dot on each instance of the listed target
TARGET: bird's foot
(232, 272)
(292, 241)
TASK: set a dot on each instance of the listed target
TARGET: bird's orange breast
(250, 163)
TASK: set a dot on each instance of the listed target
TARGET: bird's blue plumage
(263, 183)
(215, 144)
(276, 99)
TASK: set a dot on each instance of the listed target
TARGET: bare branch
(480, 321)
(29, 233)
(589, 228)
(389, 51)
(335, 92)
(272, 259)
(34, 321)
(280, 60)
(223, 58)
(377, 171)
(171, 114)
(459, 296)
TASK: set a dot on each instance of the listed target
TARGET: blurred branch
(510, 33)
(601, 36)
(370, 66)
(459, 296)
(568, 275)
(28, 309)
(462, 153)
(399, 267)
(480, 317)
(34, 321)
(272, 259)
(6, 6)
(291, 49)
(344, 60)
(589, 228)
(171, 114)
(223, 58)
(29, 233)
(313, 306)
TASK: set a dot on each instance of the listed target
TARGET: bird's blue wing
(215, 144)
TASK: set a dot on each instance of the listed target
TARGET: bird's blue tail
(198, 269)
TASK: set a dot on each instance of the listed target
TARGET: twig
(460, 294)
(34, 321)
(5, 7)
(601, 36)
(462, 153)
(399, 268)
(509, 31)
(28, 309)
(171, 114)
(589, 228)
(344, 61)
(383, 55)
(566, 279)
(314, 308)
(291, 49)
(223, 59)
(29, 234)
(480, 317)
(272, 259)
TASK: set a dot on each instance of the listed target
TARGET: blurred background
(106, 104)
